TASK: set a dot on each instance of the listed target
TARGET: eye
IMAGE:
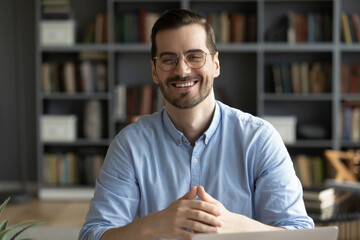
(168, 59)
(194, 57)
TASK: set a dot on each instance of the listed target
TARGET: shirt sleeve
(116, 198)
(278, 191)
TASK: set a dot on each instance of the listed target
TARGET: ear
(153, 72)
(217, 65)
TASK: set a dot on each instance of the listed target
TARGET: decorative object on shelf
(285, 125)
(93, 119)
(58, 128)
(311, 131)
(348, 171)
(58, 33)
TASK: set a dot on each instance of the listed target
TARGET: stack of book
(56, 9)
(319, 202)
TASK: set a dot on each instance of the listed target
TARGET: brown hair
(177, 18)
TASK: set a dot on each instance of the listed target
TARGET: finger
(200, 227)
(204, 206)
(204, 217)
(204, 195)
(191, 194)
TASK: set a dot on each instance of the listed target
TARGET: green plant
(20, 227)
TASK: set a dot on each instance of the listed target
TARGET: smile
(184, 85)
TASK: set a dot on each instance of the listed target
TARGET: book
(101, 77)
(225, 27)
(251, 28)
(46, 77)
(344, 85)
(319, 205)
(120, 101)
(286, 78)
(318, 193)
(355, 121)
(101, 28)
(291, 34)
(319, 29)
(303, 166)
(311, 27)
(317, 78)
(355, 18)
(346, 28)
(278, 88)
(69, 77)
(146, 100)
(150, 19)
(87, 77)
(295, 77)
(304, 77)
(238, 23)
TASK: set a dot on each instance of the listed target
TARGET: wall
(17, 89)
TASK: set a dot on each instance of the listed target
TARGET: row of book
(308, 27)
(350, 27)
(234, 27)
(310, 170)
(136, 25)
(301, 77)
(89, 74)
(350, 78)
(68, 169)
(97, 32)
(56, 9)
(350, 121)
(300, 27)
(137, 100)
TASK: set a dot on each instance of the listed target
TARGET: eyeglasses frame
(178, 57)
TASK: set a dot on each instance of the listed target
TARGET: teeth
(181, 85)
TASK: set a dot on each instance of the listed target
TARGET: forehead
(181, 39)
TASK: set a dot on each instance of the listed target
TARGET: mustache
(183, 79)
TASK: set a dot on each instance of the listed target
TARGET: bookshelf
(246, 70)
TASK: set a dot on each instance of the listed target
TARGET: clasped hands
(185, 217)
(206, 215)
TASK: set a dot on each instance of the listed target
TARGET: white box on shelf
(57, 32)
(285, 125)
(58, 128)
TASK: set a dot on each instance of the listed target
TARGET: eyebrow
(190, 50)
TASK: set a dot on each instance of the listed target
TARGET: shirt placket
(195, 164)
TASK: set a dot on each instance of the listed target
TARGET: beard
(184, 101)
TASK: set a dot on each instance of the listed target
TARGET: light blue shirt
(240, 160)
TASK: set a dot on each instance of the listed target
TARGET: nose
(182, 67)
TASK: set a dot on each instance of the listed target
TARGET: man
(198, 165)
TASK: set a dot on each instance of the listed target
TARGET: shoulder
(145, 125)
(233, 116)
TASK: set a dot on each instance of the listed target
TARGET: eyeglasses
(194, 58)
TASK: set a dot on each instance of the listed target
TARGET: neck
(193, 122)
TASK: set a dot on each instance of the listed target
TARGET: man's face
(183, 86)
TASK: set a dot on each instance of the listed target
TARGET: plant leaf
(17, 235)
(6, 232)
(4, 204)
(3, 225)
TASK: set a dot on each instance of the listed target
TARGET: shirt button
(195, 160)
(179, 142)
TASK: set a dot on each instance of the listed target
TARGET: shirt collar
(214, 124)
(177, 136)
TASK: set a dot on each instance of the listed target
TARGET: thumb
(204, 195)
(191, 194)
